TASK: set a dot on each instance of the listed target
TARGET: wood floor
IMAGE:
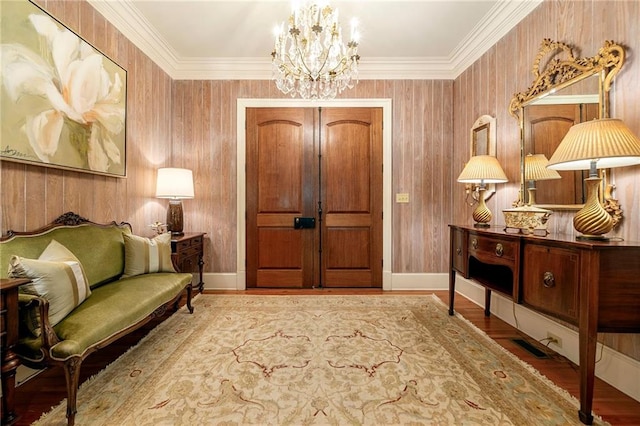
(39, 394)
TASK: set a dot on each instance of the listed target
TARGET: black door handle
(304, 222)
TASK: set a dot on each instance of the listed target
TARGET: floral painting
(63, 102)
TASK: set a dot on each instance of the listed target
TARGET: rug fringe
(563, 392)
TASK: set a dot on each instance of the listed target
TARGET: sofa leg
(189, 291)
(72, 376)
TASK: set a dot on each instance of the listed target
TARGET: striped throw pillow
(147, 255)
(56, 275)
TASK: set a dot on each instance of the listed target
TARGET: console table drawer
(193, 243)
(550, 280)
(492, 249)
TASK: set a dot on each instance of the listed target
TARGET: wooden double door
(314, 197)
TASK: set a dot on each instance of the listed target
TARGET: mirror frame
(561, 70)
(484, 132)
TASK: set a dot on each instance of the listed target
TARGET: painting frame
(64, 101)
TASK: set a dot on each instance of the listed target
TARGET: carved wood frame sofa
(116, 305)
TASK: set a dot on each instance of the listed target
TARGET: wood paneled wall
(204, 134)
(193, 124)
(489, 84)
(33, 196)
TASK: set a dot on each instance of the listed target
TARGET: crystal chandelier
(310, 59)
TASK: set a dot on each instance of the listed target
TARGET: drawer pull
(499, 250)
(459, 251)
(474, 243)
(549, 280)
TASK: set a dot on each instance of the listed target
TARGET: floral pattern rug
(318, 360)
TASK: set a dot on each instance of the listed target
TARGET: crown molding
(260, 69)
(503, 17)
(132, 24)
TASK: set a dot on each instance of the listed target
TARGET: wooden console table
(592, 285)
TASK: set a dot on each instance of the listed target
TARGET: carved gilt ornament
(561, 72)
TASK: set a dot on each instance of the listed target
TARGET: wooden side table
(8, 338)
(189, 248)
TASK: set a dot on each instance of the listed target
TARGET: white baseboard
(419, 282)
(221, 281)
(236, 281)
(615, 368)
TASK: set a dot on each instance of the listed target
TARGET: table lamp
(597, 144)
(535, 169)
(176, 185)
(482, 169)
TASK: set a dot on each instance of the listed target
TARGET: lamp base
(175, 217)
(592, 221)
(481, 215)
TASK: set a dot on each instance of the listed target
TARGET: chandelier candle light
(309, 58)
(482, 169)
(176, 185)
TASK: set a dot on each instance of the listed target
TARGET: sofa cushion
(114, 307)
(147, 255)
(56, 275)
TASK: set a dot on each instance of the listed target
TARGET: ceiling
(232, 39)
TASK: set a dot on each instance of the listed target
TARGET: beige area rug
(322, 359)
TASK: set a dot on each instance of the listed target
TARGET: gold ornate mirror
(566, 90)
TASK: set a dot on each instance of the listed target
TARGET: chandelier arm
(306, 67)
(342, 62)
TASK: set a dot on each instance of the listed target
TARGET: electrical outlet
(555, 340)
(402, 197)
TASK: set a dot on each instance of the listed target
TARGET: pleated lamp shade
(608, 141)
(482, 169)
(535, 168)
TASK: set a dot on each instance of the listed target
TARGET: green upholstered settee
(115, 306)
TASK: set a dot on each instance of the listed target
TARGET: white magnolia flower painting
(63, 102)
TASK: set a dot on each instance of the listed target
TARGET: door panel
(280, 187)
(352, 197)
(337, 248)
(280, 183)
(286, 179)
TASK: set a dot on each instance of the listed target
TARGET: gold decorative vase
(481, 215)
(593, 221)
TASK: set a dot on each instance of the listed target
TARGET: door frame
(241, 177)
